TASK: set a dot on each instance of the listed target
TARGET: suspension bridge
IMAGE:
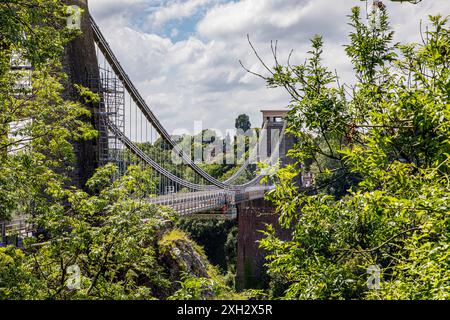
(131, 134)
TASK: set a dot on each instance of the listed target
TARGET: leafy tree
(388, 138)
(124, 246)
(37, 125)
(16, 280)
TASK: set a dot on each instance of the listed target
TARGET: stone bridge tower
(254, 215)
(275, 122)
(81, 64)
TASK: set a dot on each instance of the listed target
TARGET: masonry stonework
(253, 216)
(81, 64)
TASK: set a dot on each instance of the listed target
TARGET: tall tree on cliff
(389, 136)
(243, 123)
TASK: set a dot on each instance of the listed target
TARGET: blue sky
(176, 27)
(183, 55)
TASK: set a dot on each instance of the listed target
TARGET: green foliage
(194, 288)
(380, 154)
(109, 232)
(216, 165)
(218, 238)
(212, 287)
(36, 28)
(108, 235)
(370, 47)
(124, 246)
(16, 281)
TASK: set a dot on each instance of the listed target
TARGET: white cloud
(199, 78)
(274, 19)
(176, 11)
(112, 9)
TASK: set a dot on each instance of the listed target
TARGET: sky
(183, 55)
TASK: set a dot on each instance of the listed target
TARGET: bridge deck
(202, 201)
(186, 204)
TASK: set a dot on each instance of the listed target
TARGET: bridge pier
(253, 217)
(81, 64)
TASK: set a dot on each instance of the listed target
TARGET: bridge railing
(188, 203)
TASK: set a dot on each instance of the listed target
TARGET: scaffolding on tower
(112, 109)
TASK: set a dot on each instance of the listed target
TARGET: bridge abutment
(81, 65)
(253, 216)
